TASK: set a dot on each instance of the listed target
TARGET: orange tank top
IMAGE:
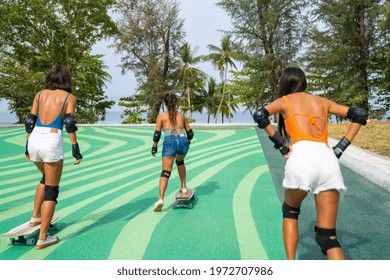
(297, 134)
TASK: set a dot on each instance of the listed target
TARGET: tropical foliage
(343, 46)
(39, 34)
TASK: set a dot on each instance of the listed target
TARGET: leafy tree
(134, 109)
(151, 35)
(208, 97)
(38, 34)
(341, 50)
(90, 83)
(187, 77)
(381, 60)
(271, 34)
(222, 57)
(249, 89)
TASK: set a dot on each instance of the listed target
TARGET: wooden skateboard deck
(24, 230)
(183, 199)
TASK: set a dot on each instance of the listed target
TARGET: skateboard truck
(183, 199)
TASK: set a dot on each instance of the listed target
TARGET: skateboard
(184, 199)
(24, 233)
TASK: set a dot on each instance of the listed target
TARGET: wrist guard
(154, 150)
(76, 151)
(26, 151)
(280, 143)
(341, 147)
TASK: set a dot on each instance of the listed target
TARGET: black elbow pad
(156, 136)
(30, 122)
(357, 115)
(70, 123)
(260, 116)
(190, 134)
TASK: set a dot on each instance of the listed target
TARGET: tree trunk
(223, 93)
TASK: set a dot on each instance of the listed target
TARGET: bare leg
(39, 193)
(167, 163)
(53, 173)
(181, 169)
(327, 206)
(294, 199)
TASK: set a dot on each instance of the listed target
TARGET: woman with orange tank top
(311, 166)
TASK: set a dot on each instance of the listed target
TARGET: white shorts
(313, 167)
(46, 145)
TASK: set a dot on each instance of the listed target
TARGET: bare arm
(156, 135)
(261, 117)
(158, 129)
(358, 118)
(342, 111)
(70, 123)
(190, 133)
(70, 109)
(273, 108)
(30, 123)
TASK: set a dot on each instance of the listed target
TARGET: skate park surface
(106, 212)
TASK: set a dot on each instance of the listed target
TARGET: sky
(202, 20)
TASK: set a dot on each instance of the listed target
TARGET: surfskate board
(24, 234)
(184, 200)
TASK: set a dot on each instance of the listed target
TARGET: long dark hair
(292, 80)
(170, 101)
(59, 78)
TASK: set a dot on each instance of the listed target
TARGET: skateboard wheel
(10, 241)
(30, 241)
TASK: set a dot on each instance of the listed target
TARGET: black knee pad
(290, 212)
(179, 162)
(51, 193)
(166, 174)
(43, 180)
(323, 239)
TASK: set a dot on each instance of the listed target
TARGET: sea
(114, 117)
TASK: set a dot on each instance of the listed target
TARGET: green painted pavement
(106, 202)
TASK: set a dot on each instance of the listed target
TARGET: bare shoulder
(181, 118)
(164, 115)
(277, 106)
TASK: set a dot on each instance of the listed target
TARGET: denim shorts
(175, 145)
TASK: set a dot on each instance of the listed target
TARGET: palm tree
(208, 97)
(222, 58)
(188, 77)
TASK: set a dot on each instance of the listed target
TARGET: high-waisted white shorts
(46, 145)
(313, 167)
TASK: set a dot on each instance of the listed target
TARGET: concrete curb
(375, 168)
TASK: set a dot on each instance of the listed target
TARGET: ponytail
(171, 103)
